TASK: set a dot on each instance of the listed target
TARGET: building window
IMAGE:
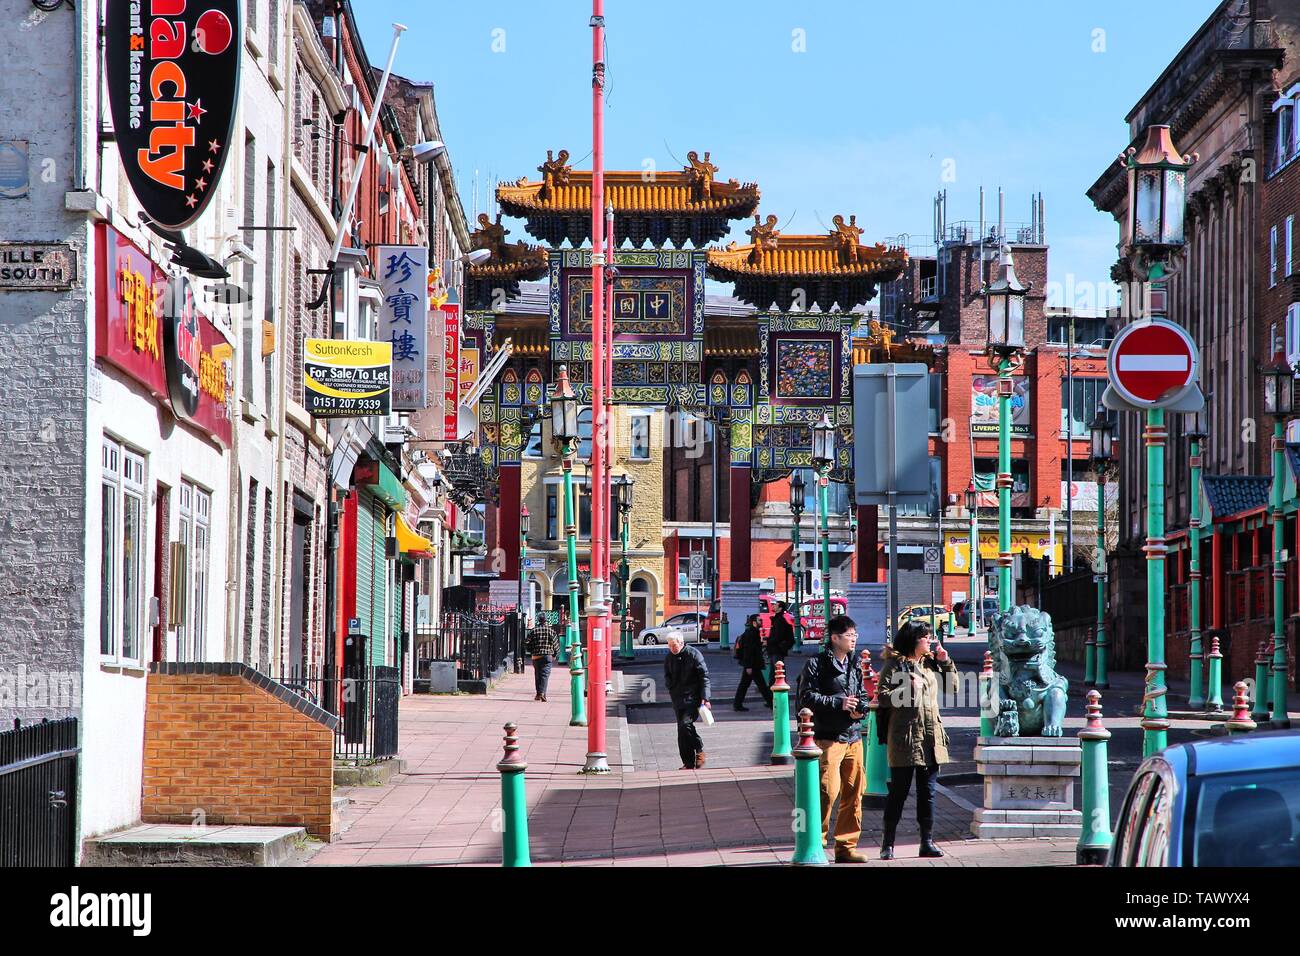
(1272, 256)
(1285, 145)
(584, 434)
(837, 495)
(1290, 221)
(693, 592)
(639, 427)
(192, 573)
(122, 559)
(931, 507)
(552, 514)
(250, 343)
(936, 401)
(1087, 399)
(533, 447)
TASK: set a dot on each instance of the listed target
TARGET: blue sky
(881, 102)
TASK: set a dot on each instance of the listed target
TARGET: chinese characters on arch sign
(404, 322)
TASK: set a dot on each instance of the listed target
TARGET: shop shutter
(365, 563)
(379, 609)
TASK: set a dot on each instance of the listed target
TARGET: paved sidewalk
(445, 809)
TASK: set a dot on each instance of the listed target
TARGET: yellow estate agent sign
(343, 379)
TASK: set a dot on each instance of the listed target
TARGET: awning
(411, 543)
(379, 479)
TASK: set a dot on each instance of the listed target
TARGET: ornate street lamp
(1156, 203)
(797, 490)
(1279, 402)
(1006, 340)
(623, 495)
(564, 431)
(1196, 696)
(823, 457)
(523, 551)
(1101, 431)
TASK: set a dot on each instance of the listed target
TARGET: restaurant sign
(148, 326)
(404, 321)
(172, 77)
(346, 379)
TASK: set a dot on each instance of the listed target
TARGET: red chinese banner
(451, 368)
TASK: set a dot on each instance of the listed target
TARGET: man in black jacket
(687, 678)
(831, 686)
(749, 652)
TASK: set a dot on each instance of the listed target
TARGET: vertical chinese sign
(404, 322)
(451, 365)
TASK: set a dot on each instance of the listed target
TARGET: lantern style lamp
(523, 524)
(564, 410)
(797, 490)
(972, 497)
(823, 443)
(1158, 183)
(1006, 307)
(623, 489)
(1102, 433)
(1279, 389)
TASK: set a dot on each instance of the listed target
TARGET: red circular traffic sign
(1152, 363)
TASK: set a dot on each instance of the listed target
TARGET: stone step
(171, 844)
(340, 822)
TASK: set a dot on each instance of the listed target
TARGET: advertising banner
(172, 79)
(984, 405)
(404, 322)
(451, 369)
(956, 549)
(343, 379)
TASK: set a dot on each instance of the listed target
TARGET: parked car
(812, 616)
(961, 614)
(1231, 801)
(713, 623)
(687, 624)
(936, 615)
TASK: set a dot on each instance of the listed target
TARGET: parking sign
(931, 559)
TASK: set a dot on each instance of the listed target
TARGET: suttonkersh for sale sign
(343, 379)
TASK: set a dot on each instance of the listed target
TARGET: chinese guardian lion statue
(1032, 694)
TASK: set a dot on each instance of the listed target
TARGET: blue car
(1231, 801)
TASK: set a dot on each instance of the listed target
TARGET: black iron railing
(365, 699)
(38, 794)
(480, 646)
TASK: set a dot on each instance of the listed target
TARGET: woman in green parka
(908, 723)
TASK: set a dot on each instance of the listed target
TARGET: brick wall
(227, 741)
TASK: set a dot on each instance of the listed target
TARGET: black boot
(928, 846)
(887, 842)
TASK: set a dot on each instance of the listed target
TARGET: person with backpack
(749, 652)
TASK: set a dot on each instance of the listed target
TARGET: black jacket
(823, 685)
(749, 649)
(780, 638)
(687, 677)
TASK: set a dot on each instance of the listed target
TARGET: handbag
(706, 714)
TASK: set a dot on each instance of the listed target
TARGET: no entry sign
(1152, 363)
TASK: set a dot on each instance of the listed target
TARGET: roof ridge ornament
(765, 236)
(555, 171)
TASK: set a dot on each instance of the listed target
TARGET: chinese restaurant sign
(346, 379)
(468, 372)
(148, 326)
(404, 321)
(451, 370)
(173, 86)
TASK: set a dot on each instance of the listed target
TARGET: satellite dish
(466, 423)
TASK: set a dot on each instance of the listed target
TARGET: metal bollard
(1260, 709)
(781, 754)
(1240, 722)
(988, 700)
(1215, 699)
(1096, 838)
(514, 803)
(874, 757)
(577, 688)
(724, 634)
(808, 849)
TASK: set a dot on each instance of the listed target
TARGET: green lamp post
(823, 457)
(972, 600)
(1196, 697)
(564, 430)
(1157, 197)
(623, 495)
(1279, 402)
(1102, 433)
(1006, 341)
(797, 490)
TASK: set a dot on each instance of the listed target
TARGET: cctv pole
(598, 619)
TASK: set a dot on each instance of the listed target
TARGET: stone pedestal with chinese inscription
(1028, 788)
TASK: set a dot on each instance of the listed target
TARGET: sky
(832, 106)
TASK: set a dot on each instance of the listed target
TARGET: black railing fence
(38, 794)
(480, 646)
(364, 698)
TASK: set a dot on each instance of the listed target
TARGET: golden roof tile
(837, 253)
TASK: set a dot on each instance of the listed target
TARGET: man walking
(543, 647)
(749, 652)
(831, 686)
(687, 678)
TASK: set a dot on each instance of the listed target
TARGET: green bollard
(1240, 722)
(1090, 661)
(1260, 709)
(577, 689)
(875, 758)
(514, 803)
(724, 634)
(1096, 838)
(781, 754)
(988, 699)
(808, 849)
(1215, 690)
